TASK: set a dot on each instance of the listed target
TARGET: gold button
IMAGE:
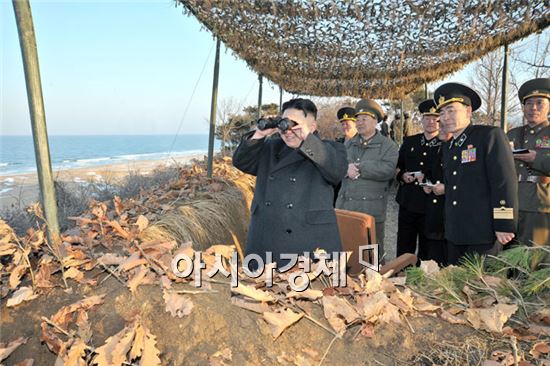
(454, 203)
(412, 148)
(421, 163)
(454, 188)
(521, 165)
(454, 173)
(502, 202)
(435, 200)
(454, 157)
(532, 132)
(424, 153)
(526, 141)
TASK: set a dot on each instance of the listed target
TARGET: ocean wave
(92, 160)
(5, 190)
(4, 164)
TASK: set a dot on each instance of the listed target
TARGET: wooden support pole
(260, 80)
(27, 41)
(213, 106)
(504, 92)
(426, 94)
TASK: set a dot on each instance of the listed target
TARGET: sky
(124, 67)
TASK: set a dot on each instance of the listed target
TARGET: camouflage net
(369, 48)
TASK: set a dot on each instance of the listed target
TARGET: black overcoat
(480, 186)
(292, 210)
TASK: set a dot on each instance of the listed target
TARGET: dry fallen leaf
(7, 349)
(150, 353)
(176, 304)
(105, 354)
(257, 307)
(16, 274)
(224, 250)
(132, 261)
(308, 294)
(142, 222)
(491, 319)
(109, 259)
(138, 279)
(445, 315)
(279, 321)
(373, 305)
(75, 354)
(65, 315)
(539, 349)
(338, 312)
(7, 248)
(429, 267)
(423, 305)
(403, 300)
(23, 294)
(253, 293)
(74, 273)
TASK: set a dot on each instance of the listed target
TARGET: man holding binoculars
(292, 210)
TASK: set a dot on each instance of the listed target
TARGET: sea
(68, 152)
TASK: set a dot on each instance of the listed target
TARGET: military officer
(479, 177)
(372, 159)
(533, 166)
(435, 246)
(346, 117)
(292, 210)
(415, 155)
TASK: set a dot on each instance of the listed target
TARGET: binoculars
(283, 124)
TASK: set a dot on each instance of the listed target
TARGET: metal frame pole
(213, 106)
(280, 99)
(27, 41)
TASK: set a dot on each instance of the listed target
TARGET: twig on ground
(328, 349)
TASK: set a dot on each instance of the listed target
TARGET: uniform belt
(543, 179)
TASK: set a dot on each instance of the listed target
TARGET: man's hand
(301, 130)
(504, 238)
(439, 189)
(427, 189)
(407, 177)
(353, 171)
(528, 158)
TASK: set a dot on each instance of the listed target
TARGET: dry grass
(74, 199)
(207, 221)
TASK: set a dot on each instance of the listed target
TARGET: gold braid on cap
(536, 93)
(367, 113)
(442, 101)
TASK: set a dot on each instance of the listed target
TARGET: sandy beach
(22, 189)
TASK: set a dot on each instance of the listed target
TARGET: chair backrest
(356, 229)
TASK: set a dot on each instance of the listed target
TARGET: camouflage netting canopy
(368, 48)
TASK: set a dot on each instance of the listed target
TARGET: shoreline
(21, 189)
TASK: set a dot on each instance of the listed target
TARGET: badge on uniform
(503, 213)
(543, 143)
(469, 155)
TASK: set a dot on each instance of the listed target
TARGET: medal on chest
(542, 143)
(469, 155)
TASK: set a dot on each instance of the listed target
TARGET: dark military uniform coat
(534, 194)
(292, 210)
(416, 154)
(480, 186)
